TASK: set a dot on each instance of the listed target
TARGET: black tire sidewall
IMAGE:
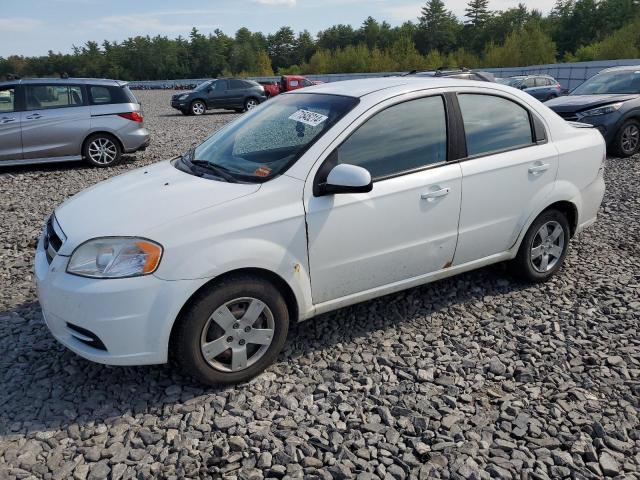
(618, 140)
(188, 352)
(191, 107)
(246, 103)
(92, 138)
(524, 265)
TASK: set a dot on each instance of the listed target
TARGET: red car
(286, 84)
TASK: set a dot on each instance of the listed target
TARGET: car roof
(64, 81)
(366, 86)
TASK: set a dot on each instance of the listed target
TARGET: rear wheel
(251, 103)
(102, 150)
(198, 107)
(232, 331)
(543, 248)
(627, 141)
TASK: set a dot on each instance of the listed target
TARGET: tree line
(575, 30)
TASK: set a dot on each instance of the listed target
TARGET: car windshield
(204, 85)
(611, 82)
(512, 82)
(266, 141)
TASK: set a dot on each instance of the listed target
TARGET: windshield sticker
(310, 118)
(262, 172)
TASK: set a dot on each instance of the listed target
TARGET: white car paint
(332, 250)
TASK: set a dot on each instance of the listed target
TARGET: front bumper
(180, 104)
(131, 317)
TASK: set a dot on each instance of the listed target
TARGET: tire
(250, 103)
(197, 332)
(627, 141)
(197, 107)
(541, 265)
(238, 110)
(102, 150)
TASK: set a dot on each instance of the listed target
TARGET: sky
(33, 27)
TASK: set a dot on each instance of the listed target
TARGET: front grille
(86, 336)
(53, 238)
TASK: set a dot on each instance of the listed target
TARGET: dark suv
(610, 101)
(542, 87)
(228, 93)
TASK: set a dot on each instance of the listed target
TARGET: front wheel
(627, 141)
(250, 104)
(543, 248)
(198, 107)
(102, 150)
(232, 331)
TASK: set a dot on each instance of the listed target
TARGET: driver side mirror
(345, 178)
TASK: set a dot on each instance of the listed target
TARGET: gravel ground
(472, 377)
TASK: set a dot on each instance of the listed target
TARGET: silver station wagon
(57, 120)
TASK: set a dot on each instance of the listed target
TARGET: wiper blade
(217, 170)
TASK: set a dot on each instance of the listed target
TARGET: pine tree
(437, 28)
(477, 12)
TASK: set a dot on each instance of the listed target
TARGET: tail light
(133, 116)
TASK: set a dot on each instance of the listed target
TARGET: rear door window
(39, 97)
(493, 124)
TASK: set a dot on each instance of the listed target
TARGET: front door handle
(538, 169)
(7, 119)
(34, 116)
(430, 196)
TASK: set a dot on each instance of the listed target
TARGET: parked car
(286, 84)
(542, 87)
(462, 73)
(228, 93)
(53, 120)
(322, 198)
(610, 101)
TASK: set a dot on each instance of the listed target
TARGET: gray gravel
(472, 377)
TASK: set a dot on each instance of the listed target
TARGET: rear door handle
(7, 119)
(34, 116)
(538, 169)
(429, 196)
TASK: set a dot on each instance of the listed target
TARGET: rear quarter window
(106, 95)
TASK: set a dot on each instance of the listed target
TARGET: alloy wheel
(547, 246)
(198, 108)
(237, 334)
(630, 139)
(251, 103)
(102, 151)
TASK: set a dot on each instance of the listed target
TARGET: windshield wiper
(190, 162)
(215, 169)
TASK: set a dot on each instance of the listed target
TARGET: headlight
(183, 96)
(115, 257)
(602, 110)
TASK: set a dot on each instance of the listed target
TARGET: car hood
(188, 92)
(133, 203)
(575, 103)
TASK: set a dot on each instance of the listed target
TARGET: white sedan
(317, 199)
